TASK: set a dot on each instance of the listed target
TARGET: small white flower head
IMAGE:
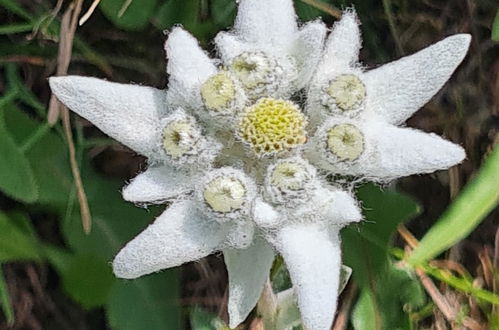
(272, 126)
(344, 94)
(343, 142)
(222, 94)
(290, 181)
(261, 74)
(183, 143)
(226, 194)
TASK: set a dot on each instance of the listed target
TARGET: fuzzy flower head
(244, 164)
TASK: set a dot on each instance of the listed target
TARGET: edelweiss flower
(232, 151)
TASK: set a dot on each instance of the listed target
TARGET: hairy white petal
(264, 215)
(177, 236)
(127, 113)
(229, 46)
(343, 44)
(248, 270)
(270, 22)
(343, 208)
(404, 151)
(398, 89)
(157, 185)
(307, 50)
(312, 256)
(188, 66)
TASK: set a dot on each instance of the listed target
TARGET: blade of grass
(444, 276)
(471, 206)
(15, 8)
(5, 300)
(387, 6)
(16, 28)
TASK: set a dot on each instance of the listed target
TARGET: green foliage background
(40, 222)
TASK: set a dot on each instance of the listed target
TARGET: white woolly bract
(127, 113)
(400, 88)
(269, 22)
(265, 216)
(313, 258)
(327, 207)
(181, 234)
(248, 270)
(343, 44)
(157, 185)
(188, 66)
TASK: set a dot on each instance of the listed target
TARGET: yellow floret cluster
(272, 125)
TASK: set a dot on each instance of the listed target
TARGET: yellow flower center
(271, 126)
(345, 141)
(225, 194)
(347, 92)
(218, 92)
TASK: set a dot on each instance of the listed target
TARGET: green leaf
(471, 206)
(203, 320)
(365, 245)
(495, 27)
(134, 18)
(88, 280)
(384, 305)
(150, 302)
(5, 301)
(16, 176)
(15, 243)
(47, 156)
(364, 313)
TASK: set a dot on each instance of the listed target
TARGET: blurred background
(55, 276)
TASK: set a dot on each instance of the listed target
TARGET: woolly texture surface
(313, 258)
(177, 236)
(416, 78)
(157, 185)
(307, 50)
(127, 113)
(248, 270)
(266, 21)
(343, 44)
(188, 66)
